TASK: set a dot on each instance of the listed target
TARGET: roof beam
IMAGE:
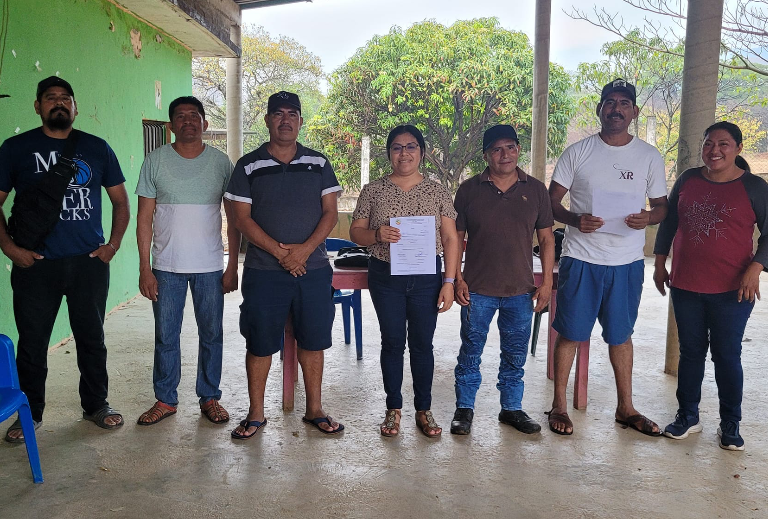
(254, 4)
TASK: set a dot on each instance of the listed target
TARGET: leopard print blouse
(383, 199)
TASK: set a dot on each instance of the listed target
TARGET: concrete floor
(186, 467)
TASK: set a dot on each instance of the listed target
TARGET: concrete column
(697, 110)
(650, 130)
(365, 160)
(235, 100)
(540, 89)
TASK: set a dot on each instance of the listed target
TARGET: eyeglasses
(410, 148)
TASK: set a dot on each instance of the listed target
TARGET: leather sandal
(159, 411)
(213, 410)
(391, 422)
(427, 424)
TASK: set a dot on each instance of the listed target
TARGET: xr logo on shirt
(623, 173)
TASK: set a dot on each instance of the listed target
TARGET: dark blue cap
(500, 131)
(281, 99)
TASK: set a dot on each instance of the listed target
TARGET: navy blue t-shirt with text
(26, 157)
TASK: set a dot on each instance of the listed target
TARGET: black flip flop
(323, 419)
(246, 424)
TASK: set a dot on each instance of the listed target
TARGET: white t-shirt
(592, 164)
(187, 223)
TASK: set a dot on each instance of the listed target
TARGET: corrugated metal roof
(252, 4)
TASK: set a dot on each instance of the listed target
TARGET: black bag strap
(71, 144)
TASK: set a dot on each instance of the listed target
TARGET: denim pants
(514, 321)
(208, 302)
(406, 306)
(715, 322)
(37, 294)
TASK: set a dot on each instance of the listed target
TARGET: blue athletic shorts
(270, 295)
(587, 292)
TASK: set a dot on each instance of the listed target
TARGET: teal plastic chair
(13, 400)
(349, 300)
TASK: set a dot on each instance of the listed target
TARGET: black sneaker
(519, 420)
(462, 420)
(730, 439)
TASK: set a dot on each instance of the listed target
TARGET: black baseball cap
(500, 131)
(281, 99)
(619, 85)
(53, 81)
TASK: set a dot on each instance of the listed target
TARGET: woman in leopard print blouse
(409, 302)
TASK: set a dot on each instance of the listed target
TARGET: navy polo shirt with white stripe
(285, 199)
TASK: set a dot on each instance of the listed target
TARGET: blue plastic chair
(348, 299)
(12, 399)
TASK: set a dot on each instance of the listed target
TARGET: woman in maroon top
(715, 278)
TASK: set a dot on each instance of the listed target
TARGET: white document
(414, 253)
(613, 207)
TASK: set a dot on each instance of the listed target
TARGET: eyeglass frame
(409, 148)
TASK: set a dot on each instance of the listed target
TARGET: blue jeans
(716, 322)
(406, 305)
(208, 301)
(514, 323)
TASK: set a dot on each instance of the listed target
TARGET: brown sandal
(214, 412)
(159, 411)
(391, 422)
(426, 422)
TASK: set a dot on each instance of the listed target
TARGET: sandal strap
(426, 422)
(157, 411)
(214, 411)
(390, 419)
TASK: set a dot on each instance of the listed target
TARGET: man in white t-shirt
(181, 187)
(609, 176)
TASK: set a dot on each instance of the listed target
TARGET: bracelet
(449, 280)
(113, 247)
(376, 235)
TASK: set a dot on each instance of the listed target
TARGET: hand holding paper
(616, 208)
(414, 253)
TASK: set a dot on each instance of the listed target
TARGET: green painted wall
(88, 43)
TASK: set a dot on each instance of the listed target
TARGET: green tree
(451, 82)
(269, 65)
(657, 76)
(744, 36)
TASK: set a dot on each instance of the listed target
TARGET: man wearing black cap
(285, 202)
(500, 210)
(73, 260)
(601, 267)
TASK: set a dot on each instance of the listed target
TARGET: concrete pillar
(365, 160)
(650, 130)
(697, 110)
(540, 89)
(235, 100)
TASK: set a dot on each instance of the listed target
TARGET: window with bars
(156, 133)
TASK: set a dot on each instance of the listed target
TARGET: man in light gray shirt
(180, 190)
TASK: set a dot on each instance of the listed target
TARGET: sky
(335, 29)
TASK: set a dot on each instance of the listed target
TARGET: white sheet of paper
(613, 207)
(414, 253)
